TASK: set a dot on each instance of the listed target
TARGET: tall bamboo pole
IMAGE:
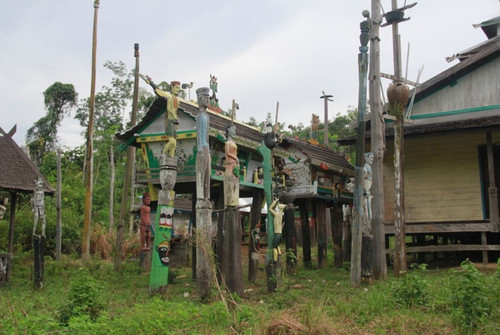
(128, 170)
(360, 148)
(58, 207)
(89, 155)
(377, 147)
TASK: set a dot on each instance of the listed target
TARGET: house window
(485, 179)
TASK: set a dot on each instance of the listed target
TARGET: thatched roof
(18, 173)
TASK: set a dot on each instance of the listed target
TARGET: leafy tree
(41, 138)
(110, 103)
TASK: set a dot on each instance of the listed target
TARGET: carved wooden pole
(128, 171)
(398, 94)
(325, 128)
(267, 171)
(377, 147)
(89, 158)
(360, 148)
(204, 270)
(233, 274)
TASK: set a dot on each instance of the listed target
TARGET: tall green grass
(96, 300)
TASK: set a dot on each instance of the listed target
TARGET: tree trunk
(111, 187)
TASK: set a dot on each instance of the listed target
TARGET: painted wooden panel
(442, 180)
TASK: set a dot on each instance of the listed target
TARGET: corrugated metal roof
(18, 171)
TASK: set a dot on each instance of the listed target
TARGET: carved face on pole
(230, 131)
(176, 87)
(369, 157)
(146, 199)
(164, 252)
(203, 97)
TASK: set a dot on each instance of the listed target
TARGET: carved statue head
(175, 87)
(230, 131)
(202, 94)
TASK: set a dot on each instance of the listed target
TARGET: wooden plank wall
(442, 180)
(478, 88)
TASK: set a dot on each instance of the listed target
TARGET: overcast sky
(261, 51)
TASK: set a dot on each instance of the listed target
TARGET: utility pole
(360, 149)
(89, 159)
(325, 129)
(377, 147)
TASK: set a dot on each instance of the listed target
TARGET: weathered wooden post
(325, 128)
(254, 234)
(233, 274)
(322, 236)
(336, 224)
(127, 181)
(377, 147)
(367, 235)
(306, 236)
(398, 94)
(290, 237)
(360, 148)
(204, 261)
(39, 251)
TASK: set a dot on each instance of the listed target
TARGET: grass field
(96, 300)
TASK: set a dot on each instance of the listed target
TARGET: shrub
(411, 289)
(85, 298)
(469, 298)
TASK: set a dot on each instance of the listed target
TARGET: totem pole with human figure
(233, 274)
(265, 149)
(203, 203)
(38, 206)
(166, 196)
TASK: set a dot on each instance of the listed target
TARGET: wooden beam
(449, 247)
(441, 228)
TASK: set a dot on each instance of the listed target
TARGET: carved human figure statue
(277, 209)
(231, 150)
(145, 224)
(347, 212)
(367, 197)
(171, 120)
(232, 164)
(38, 205)
(3, 207)
(203, 158)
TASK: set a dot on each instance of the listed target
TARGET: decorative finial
(365, 32)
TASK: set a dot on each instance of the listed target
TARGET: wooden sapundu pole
(360, 148)
(204, 270)
(233, 274)
(265, 149)
(377, 147)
